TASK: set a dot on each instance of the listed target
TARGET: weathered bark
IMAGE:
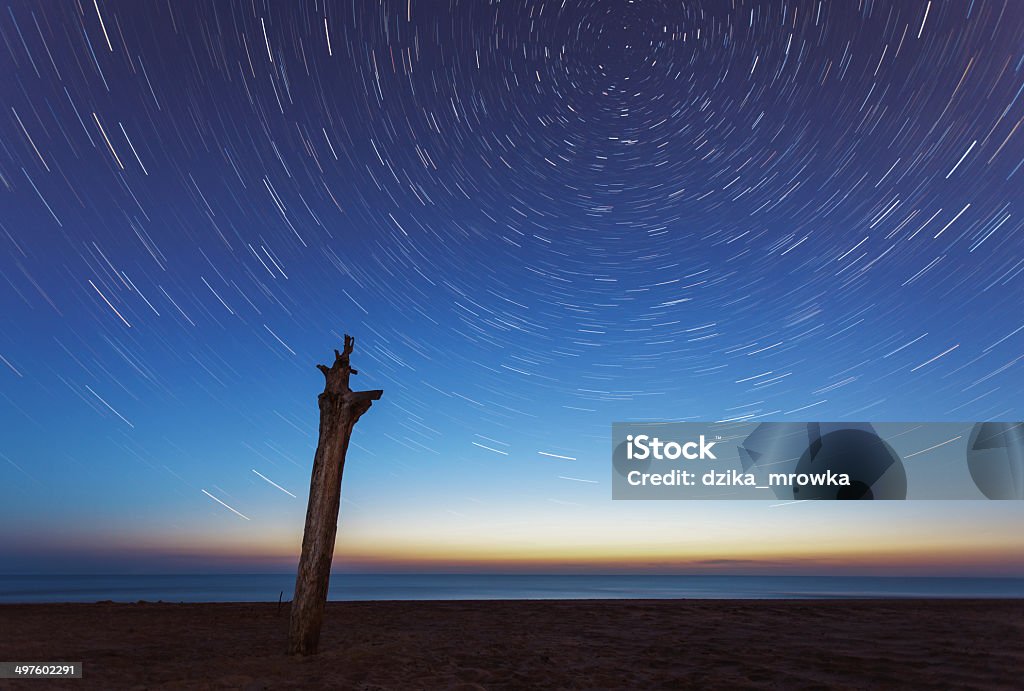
(340, 409)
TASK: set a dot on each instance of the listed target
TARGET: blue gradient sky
(536, 218)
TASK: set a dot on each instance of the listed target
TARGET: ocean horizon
(269, 587)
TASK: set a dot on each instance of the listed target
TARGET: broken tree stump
(340, 409)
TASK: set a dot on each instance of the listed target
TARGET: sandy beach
(645, 644)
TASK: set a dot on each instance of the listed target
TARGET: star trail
(536, 217)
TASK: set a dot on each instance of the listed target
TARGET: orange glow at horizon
(753, 553)
(713, 537)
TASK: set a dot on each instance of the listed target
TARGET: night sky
(536, 218)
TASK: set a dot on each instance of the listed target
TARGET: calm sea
(268, 587)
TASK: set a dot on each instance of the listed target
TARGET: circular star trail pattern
(536, 217)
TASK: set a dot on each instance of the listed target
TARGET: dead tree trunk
(340, 409)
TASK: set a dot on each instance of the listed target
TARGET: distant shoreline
(439, 587)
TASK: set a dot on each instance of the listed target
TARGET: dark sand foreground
(646, 644)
